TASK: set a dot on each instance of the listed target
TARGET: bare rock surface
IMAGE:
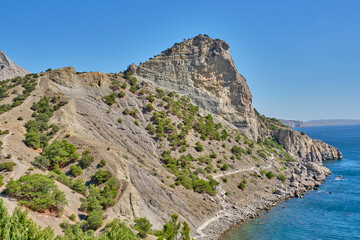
(8, 69)
(203, 69)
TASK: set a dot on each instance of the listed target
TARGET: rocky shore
(305, 176)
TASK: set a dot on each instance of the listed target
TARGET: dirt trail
(20, 168)
(221, 195)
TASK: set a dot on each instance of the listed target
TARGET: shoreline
(232, 215)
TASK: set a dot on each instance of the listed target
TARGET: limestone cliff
(8, 69)
(203, 69)
(301, 145)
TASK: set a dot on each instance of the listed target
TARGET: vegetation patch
(7, 166)
(37, 192)
(181, 168)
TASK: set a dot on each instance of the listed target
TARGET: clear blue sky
(301, 58)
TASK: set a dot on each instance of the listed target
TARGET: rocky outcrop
(302, 146)
(8, 69)
(68, 77)
(292, 123)
(203, 69)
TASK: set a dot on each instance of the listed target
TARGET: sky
(301, 58)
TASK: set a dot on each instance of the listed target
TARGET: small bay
(330, 212)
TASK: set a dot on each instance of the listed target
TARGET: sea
(330, 212)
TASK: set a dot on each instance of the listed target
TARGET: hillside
(176, 134)
(8, 69)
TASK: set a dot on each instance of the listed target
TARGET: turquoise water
(319, 215)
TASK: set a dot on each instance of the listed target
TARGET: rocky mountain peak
(8, 69)
(203, 69)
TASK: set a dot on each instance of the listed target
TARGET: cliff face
(203, 69)
(8, 69)
(302, 146)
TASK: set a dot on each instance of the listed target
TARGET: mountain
(176, 134)
(292, 123)
(8, 69)
(321, 122)
(331, 122)
(203, 69)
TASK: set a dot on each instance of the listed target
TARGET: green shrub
(19, 226)
(78, 185)
(1, 180)
(102, 163)
(75, 170)
(110, 99)
(117, 230)
(149, 107)
(174, 230)
(270, 174)
(7, 166)
(72, 217)
(272, 127)
(225, 179)
(57, 153)
(282, 177)
(236, 150)
(86, 159)
(151, 129)
(143, 226)
(241, 186)
(213, 155)
(37, 192)
(199, 147)
(94, 220)
(150, 98)
(133, 89)
(121, 94)
(249, 151)
(101, 176)
(160, 93)
(225, 167)
(182, 148)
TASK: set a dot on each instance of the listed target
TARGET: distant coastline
(320, 122)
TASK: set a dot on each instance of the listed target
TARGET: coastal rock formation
(203, 69)
(301, 145)
(213, 159)
(8, 69)
(292, 123)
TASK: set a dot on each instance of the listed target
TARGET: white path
(20, 168)
(221, 195)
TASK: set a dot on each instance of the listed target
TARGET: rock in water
(8, 69)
